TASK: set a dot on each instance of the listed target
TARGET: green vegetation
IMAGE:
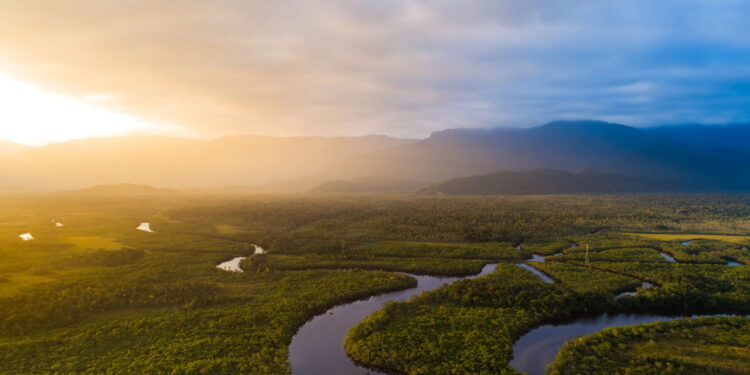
(417, 336)
(549, 181)
(686, 347)
(583, 281)
(50, 307)
(99, 296)
(457, 259)
(546, 247)
(607, 240)
(465, 327)
(688, 288)
(613, 255)
(707, 251)
(421, 336)
(417, 265)
(226, 229)
(488, 250)
(94, 243)
(248, 334)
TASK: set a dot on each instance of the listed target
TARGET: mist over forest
(677, 158)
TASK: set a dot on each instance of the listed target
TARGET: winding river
(667, 257)
(318, 346)
(538, 273)
(534, 351)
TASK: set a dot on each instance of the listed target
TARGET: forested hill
(721, 163)
(561, 145)
(547, 181)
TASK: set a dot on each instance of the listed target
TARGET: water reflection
(233, 265)
(146, 227)
(667, 257)
(536, 258)
(644, 285)
(318, 346)
(538, 348)
(535, 271)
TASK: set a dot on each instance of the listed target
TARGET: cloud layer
(406, 68)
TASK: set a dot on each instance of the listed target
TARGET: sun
(32, 116)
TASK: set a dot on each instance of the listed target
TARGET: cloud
(406, 68)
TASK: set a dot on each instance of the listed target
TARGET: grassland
(731, 238)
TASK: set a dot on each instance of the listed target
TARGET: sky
(339, 67)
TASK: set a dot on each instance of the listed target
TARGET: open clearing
(692, 236)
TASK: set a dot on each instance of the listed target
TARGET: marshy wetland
(387, 273)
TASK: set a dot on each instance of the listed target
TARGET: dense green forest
(695, 347)
(98, 296)
(550, 181)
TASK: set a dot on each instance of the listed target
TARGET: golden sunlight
(33, 116)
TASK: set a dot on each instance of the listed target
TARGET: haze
(439, 187)
(386, 96)
(335, 68)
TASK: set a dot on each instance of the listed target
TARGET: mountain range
(674, 158)
(687, 158)
(248, 161)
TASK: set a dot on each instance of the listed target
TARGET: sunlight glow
(32, 116)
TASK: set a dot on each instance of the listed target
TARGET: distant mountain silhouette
(672, 153)
(694, 157)
(563, 145)
(182, 163)
(547, 181)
